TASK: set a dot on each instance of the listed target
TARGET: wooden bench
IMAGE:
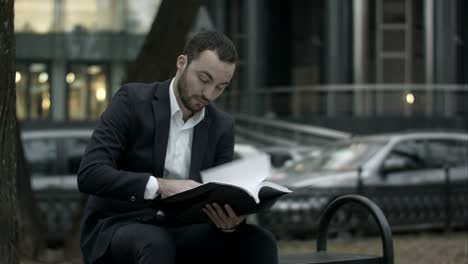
(322, 256)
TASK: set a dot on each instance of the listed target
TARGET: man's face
(203, 80)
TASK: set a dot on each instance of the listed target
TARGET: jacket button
(132, 198)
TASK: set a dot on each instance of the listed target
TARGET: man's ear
(181, 62)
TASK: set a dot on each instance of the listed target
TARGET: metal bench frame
(379, 217)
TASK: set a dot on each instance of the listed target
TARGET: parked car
(414, 177)
(285, 155)
(244, 150)
(54, 156)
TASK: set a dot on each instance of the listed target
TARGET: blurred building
(72, 55)
(359, 65)
(354, 65)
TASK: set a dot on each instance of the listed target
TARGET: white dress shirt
(179, 145)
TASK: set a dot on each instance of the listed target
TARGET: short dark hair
(214, 41)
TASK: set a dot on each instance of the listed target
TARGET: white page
(247, 173)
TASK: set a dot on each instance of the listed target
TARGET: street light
(409, 98)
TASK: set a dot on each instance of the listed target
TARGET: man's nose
(209, 93)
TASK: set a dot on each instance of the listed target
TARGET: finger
(215, 215)
(212, 217)
(229, 211)
(231, 220)
(232, 215)
(220, 211)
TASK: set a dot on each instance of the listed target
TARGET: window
(343, 156)
(45, 16)
(74, 150)
(446, 152)
(33, 100)
(21, 79)
(42, 156)
(87, 87)
(93, 15)
(140, 15)
(36, 16)
(409, 155)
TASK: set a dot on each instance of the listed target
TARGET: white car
(244, 150)
(418, 179)
(54, 155)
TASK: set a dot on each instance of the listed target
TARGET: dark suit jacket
(128, 145)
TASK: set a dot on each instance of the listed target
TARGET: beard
(192, 103)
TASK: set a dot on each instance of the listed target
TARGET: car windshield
(337, 157)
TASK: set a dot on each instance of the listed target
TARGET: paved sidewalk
(427, 248)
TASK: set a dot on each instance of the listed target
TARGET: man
(152, 142)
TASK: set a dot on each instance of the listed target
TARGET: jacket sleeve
(225, 147)
(98, 173)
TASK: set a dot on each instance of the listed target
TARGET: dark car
(420, 180)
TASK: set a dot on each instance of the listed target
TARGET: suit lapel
(162, 122)
(199, 145)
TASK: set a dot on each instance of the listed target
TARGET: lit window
(87, 91)
(32, 91)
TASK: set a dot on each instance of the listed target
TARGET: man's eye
(204, 80)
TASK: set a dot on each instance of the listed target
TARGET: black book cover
(187, 206)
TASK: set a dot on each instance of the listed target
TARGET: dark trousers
(200, 243)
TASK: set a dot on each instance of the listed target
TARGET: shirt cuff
(151, 190)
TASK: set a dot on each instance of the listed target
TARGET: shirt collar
(176, 111)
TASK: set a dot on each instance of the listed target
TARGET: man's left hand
(226, 220)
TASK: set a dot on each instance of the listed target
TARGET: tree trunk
(164, 42)
(8, 195)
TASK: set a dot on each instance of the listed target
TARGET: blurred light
(45, 103)
(409, 98)
(101, 94)
(70, 77)
(43, 77)
(94, 69)
(18, 77)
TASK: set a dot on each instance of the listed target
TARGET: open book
(240, 183)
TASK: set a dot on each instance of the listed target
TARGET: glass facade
(87, 91)
(33, 91)
(45, 16)
(91, 15)
(35, 16)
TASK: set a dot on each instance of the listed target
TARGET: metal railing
(59, 209)
(441, 205)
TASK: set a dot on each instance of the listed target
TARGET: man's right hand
(169, 187)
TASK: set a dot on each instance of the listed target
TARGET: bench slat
(329, 257)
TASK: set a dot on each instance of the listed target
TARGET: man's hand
(168, 187)
(226, 220)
